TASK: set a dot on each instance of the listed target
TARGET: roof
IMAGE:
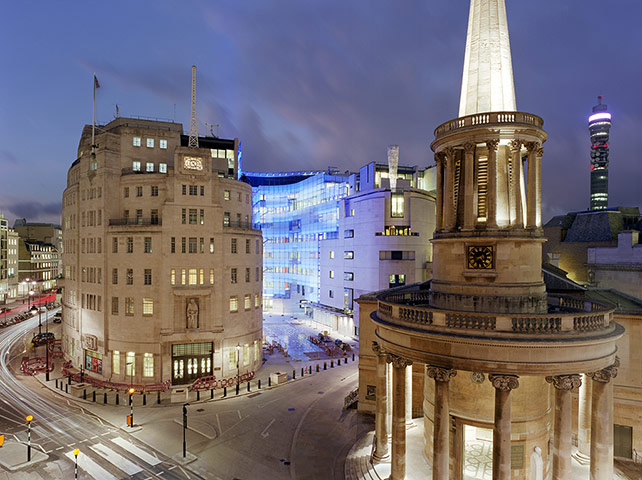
(623, 302)
(556, 280)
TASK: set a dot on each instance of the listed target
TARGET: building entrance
(191, 361)
(478, 453)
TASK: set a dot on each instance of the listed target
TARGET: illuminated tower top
(487, 83)
(599, 126)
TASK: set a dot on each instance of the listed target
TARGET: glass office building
(295, 212)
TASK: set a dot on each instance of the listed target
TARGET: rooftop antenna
(212, 126)
(193, 131)
(599, 99)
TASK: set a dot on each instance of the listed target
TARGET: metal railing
(135, 221)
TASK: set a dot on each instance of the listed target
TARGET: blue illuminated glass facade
(295, 211)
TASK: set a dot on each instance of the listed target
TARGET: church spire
(487, 83)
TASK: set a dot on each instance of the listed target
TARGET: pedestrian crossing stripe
(92, 468)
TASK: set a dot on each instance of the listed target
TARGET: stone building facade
(162, 268)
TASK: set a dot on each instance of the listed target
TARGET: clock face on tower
(480, 257)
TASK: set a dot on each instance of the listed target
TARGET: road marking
(218, 420)
(91, 467)
(139, 452)
(59, 448)
(121, 462)
(265, 433)
(240, 417)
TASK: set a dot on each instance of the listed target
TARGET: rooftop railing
(490, 118)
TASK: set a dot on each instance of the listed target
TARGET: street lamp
(76, 452)
(185, 405)
(29, 418)
(238, 366)
(131, 408)
(47, 351)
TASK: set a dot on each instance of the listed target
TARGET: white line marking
(139, 452)
(91, 467)
(265, 433)
(121, 462)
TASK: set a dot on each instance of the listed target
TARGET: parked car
(42, 338)
(57, 317)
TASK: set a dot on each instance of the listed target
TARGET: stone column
(398, 462)
(449, 190)
(501, 429)
(516, 194)
(491, 194)
(389, 401)
(584, 420)
(470, 209)
(409, 396)
(602, 422)
(539, 153)
(441, 421)
(439, 207)
(531, 187)
(381, 416)
(562, 434)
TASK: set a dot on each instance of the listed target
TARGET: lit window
(136, 166)
(256, 300)
(131, 364)
(202, 216)
(115, 362)
(397, 200)
(247, 300)
(348, 233)
(246, 354)
(211, 276)
(148, 306)
(162, 167)
(149, 167)
(129, 306)
(331, 273)
(226, 219)
(226, 194)
(331, 253)
(349, 276)
(150, 143)
(148, 244)
(183, 276)
(148, 364)
(233, 278)
(172, 276)
(130, 276)
(234, 304)
(192, 276)
(201, 276)
(136, 141)
(211, 245)
(162, 144)
(348, 254)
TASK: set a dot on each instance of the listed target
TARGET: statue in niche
(192, 313)
(537, 464)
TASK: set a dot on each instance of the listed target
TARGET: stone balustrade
(490, 118)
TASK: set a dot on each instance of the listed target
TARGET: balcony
(490, 119)
(241, 224)
(135, 221)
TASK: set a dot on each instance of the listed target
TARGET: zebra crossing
(103, 462)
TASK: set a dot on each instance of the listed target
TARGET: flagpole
(93, 119)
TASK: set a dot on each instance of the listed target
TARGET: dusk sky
(307, 84)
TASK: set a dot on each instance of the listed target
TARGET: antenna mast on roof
(193, 131)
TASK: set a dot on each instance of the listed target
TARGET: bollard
(302, 372)
(345, 359)
(144, 399)
(259, 384)
(105, 398)
(211, 393)
(269, 381)
(84, 394)
(331, 363)
(198, 395)
(116, 398)
(353, 357)
(158, 398)
(237, 388)
(93, 396)
(338, 362)
(325, 365)
(317, 368)
(69, 380)
(248, 386)
(56, 383)
(293, 374)
(225, 391)
(67, 388)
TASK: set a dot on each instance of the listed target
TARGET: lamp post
(47, 351)
(29, 418)
(238, 367)
(131, 407)
(185, 405)
(76, 452)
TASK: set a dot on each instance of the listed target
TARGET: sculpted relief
(192, 313)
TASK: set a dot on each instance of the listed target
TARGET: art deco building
(161, 263)
(495, 351)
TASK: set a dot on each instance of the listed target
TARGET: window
(396, 202)
(192, 276)
(130, 276)
(396, 280)
(149, 167)
(331, 273)
(148, 363)
(129, 306)
(162, 167)
(154, 190)
(114, 245)
(148, 306)
(162, 143)
(148, 244)
(233, 278)
(330, 294)
(193, 189)
(348, 233)
(247, 246)
(114, 305)
(183, 216)
(183, 245)
(226, 195)
(257, 277)
(331, 253)
(202, 216)
(202, 191)
(115, 362)
(201, 245)
(183, 276)
(154, 217)
(126, 192)
(211, 245)
(226, 219)
(114, 276)
(348, 276)
(150, 143)
(136, 166)
(139, 191)
(148, 276)
(172, 276)
(257, 301)
(131, 364)
(192, 244)
(184, 189)
(347, 298)
(238, 219)
(192, 216)
(257, 247)
(348, 255)
(234, 304)
(139, 217)
(126, 216)
(130, 244)
(247, 275)
(211, 276)
(201, 276)
(247, 301)
(136, 141)
(172, 245)
(233, 245)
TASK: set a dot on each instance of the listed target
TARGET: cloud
(34, 211)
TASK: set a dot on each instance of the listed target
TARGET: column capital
(469, 147)
(532, 146)
(397, 361)
(515, 145)
(440, 374)
(492, 144)
(606, 374)
(440, 157)
(565, 382)
(539, 152)
(378, 349)
(505, 383)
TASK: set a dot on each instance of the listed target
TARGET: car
(57, 317)
(42, 338)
